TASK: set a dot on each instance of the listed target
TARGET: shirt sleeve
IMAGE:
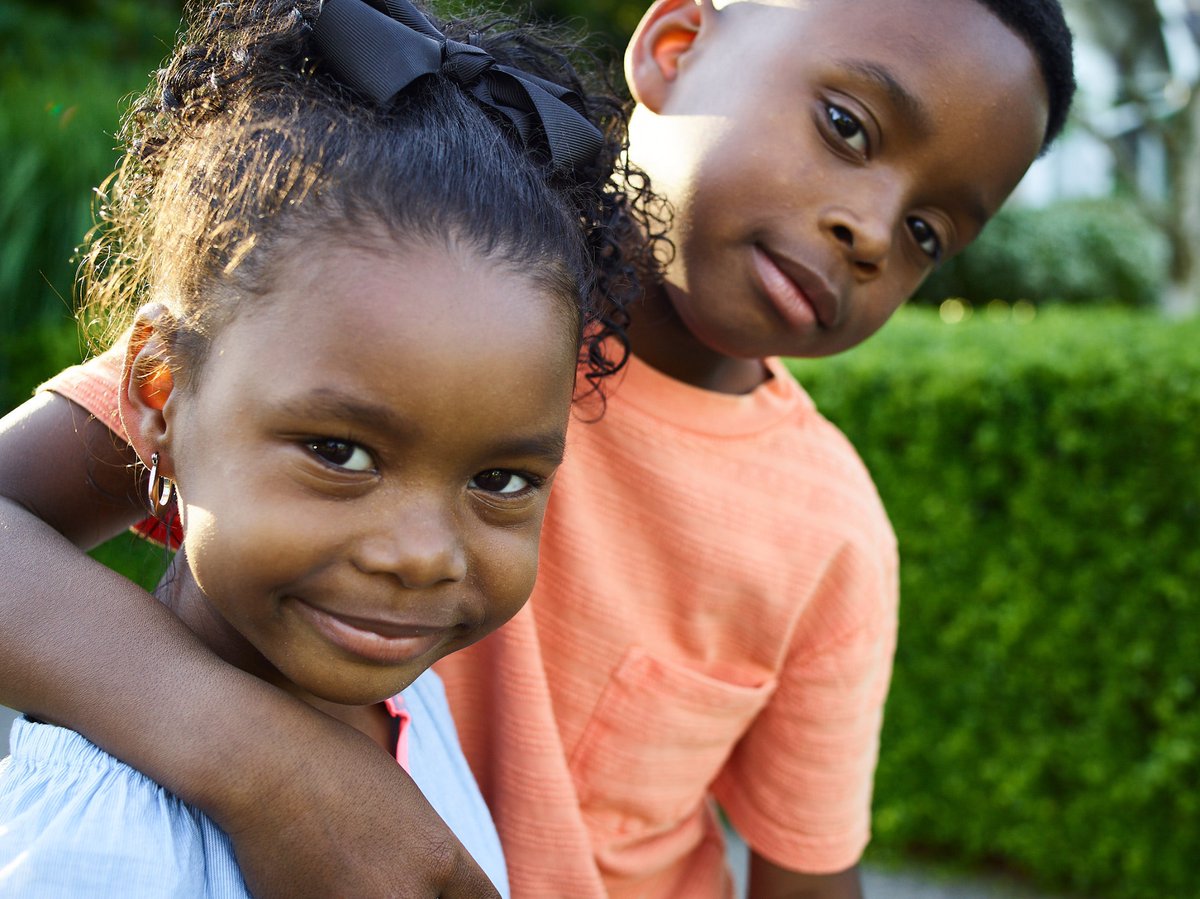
(74, 821)
(797, 787)
(94, 385)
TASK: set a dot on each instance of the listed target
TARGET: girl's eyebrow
(909, 104)
(551, 447)
(336, 405)
(325, 402)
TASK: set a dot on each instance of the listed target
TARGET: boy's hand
(769, 881)
(348, 823)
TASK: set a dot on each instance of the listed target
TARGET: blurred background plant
(1034, 439)
(1044, 716)
(1077, 252)
(63, 69)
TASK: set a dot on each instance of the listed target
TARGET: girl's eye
(342, 454)
(848, 128)
(926, 238)
(498, 480)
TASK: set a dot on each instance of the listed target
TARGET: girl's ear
(147, 383)
(663, 37)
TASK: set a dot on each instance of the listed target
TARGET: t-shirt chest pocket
(657, 739)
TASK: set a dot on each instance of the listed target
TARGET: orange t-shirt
(714, 618)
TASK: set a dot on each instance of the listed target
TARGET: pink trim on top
(399, 711)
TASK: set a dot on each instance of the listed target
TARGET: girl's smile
(363, 460)
(376, 639)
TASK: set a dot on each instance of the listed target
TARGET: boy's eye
(926, 238)
(342, 454)
(498, 480)
(847, 127)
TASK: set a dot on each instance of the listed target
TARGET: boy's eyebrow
(905, 100)
(337, 405)
(920, 120)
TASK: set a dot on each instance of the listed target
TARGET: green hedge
(1078, 252)
(63, 71)
(1044, 481)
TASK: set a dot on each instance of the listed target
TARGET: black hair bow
(381, 51)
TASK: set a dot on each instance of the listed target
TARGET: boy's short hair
(1040, 24)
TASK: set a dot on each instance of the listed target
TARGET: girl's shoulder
(76, 821)
(439, 768)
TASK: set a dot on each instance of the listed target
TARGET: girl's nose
(420, 547)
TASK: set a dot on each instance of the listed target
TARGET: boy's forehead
(721, 4)
(914, 36)
(862, 11)
(942, 77)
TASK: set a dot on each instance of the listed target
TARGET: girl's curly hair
(245, 143)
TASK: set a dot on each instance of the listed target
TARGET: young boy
(715, 613)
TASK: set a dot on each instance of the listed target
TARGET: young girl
(366, 258)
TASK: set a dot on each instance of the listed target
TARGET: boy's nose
(864, 235)
(420, 548)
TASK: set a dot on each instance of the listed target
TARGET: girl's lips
(377, 641)
(800, 296)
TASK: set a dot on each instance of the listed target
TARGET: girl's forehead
(382, 293)
(440, 346)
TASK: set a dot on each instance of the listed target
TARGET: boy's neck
(658, 337)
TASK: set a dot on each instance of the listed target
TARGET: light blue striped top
(75, 821)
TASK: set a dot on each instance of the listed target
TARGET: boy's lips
(376, 639)
(802, 297)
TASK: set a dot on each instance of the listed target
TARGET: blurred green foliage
(63, 70)
(1042, 480)
(611, 22)
(1081, 252)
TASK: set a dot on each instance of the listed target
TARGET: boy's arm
(769, 881)
(313, 807)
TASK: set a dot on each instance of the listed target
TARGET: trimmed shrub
(62, 75)
(1081, 252)
(1043, 480)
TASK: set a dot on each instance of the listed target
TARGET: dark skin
(241, 771)
(114, 634)
(851, 190)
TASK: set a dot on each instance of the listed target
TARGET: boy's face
(823, 156)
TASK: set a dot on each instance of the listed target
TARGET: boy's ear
(147, 382)
(665, 34)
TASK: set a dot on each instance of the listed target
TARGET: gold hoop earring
(159, 489)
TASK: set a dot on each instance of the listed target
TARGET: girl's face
(363, 463)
